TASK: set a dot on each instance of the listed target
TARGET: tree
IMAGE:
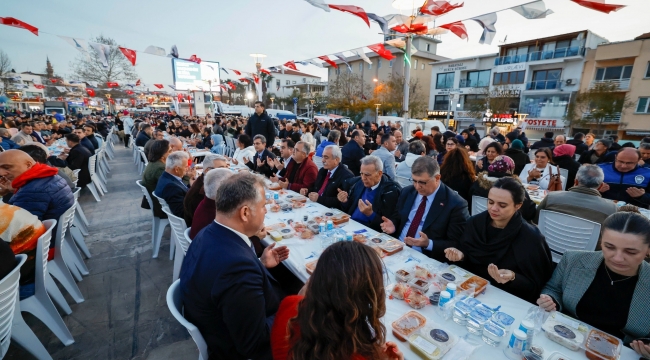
(346, 95)
(601, 103)
(5, 69)
(497, 100)
(391, 96)
(266, 82)
(236, 96)
(90, 68)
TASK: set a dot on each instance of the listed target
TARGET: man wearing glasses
(625, 180)
(301, 172)
(263, 160)
(430, 216)
(261, 124)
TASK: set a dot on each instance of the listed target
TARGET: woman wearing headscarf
(218, 145)
(516, 153)
(470, 141)
(563, 157)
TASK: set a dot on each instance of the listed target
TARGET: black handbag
(145, 203)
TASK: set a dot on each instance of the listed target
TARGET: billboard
(189, 75)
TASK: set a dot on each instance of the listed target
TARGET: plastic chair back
(187, 239)
(145, 193)
(92, 161)
(8, 298)
(318, 161)
(564, 173)
(175, 304)
(162, 202)
(402, 181)
(479, 204)
(178, 227)
(566, 232)
(42, 251)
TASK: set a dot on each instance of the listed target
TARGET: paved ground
(124, 315)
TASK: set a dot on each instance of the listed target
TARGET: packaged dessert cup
(476, 319)
(403, 275)
(408, 324)
(502, 319)
(565, 331)
(392, 246)
(602, 346)
(419, 284)
(461, 312)
(474, 282)
(493, 334)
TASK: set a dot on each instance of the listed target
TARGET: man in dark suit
(77, 158)
(83, 141)
(170, 185)
(430, 216)
(329, 179)
(353, 151)
(263, 160)
(227, 291)
(371, 198)
(261, 124)
(286, 157)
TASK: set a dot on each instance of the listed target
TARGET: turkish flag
(458, 28)
(132, 101)
(90, 92)
(381, 51)
(238, 73)
(437, 7)
(112, 84)
(195, 59)
(599, 5)
(9, 21)
(159, 86)
(232, 86)
(54, 81)
(355, 10)
(327, 60)
(291, 65)
(129, 54)
(265, 71)
(39, 86)
(111, 101)
(85, 100)
(137, 83)
(129, 92)
(415, 28)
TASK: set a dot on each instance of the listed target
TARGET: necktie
(322, 188)
(415, 222)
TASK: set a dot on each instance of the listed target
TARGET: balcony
(623, 84)
(616, 118)
(544, 85)
(541, 55)
(467, 83)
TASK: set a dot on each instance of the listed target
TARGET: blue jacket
(8, 144)
(142, 139)
(46, 198)
(322, 146)
(352, 154)
(229, 295)
(173, 192)
(619, 182)
(383, 204)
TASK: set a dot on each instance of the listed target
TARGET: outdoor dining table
(304, 251)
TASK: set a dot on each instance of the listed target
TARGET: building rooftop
(296, 73)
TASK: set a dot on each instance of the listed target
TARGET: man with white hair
(196, 192)
(371, 198)
(206, 209)
(170, 186)
(301, 172)
(329, 178)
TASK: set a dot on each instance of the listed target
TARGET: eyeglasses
(418, 182)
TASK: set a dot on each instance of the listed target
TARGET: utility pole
(407, 78)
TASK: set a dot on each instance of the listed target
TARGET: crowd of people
(417, 190)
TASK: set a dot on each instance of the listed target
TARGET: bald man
(39, 189)
(625, 180)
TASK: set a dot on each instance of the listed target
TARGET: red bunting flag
(159, 86)
(244, 80)
(237, 72)
(438, 7)
(256, 79)
(355, 10)
(9, 21)
(458, 28)
(232, 86)
(265, 71)
(327, 60)
(137, 83)
(381, 51)
(129, 54)
(90, 92)
(39, 86)
(132, 101)
(54, 80)
(599, 5)
(195, 59)
(129, 92)
(291, 65)
(85, 100)
(112, 84)
(111, 101)
(414, 29)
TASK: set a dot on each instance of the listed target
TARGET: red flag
(381, 51)
(415, 28)
(437, 7)
(355, 10)
(291, 65)
(237, 72)
(195, 59)
(458, 28)
(137, 83)
(129, 92)
(85, 100)
(129, 54)
(9, 21)
(112, 84)
(256, 79)
(111, 101)
(159, 86)
(244, 80)
(39, 86)
(327, 60)
(599, 6)
(90, 92)
(265, 71)
(54, 80)
(132, 101)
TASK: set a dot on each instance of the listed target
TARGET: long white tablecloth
(304, 251)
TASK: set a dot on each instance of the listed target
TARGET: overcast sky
(228, 31)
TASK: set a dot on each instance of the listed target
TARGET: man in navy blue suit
(170, 185)
(228, 293)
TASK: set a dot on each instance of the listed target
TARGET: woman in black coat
(517, 154)
(563, 157)
(498, 245)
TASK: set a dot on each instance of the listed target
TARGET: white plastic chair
(479, 204)
(178, 235)
(175, 305)
(142, 165)
(77, 228)
(158, 225)
(402, 181)
(318, 161)
(57, 267)
(79, 217)
(172, 242)
(564, 174)
(94, 186)
(99, 172)
(8, 295)
(40, 305)
(566, 232)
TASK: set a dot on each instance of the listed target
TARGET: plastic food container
(502, 319)
(360, 238)
(476, 319)
(461, 312)
(416, 299)
(340, 219)
(275, 235)
(311, 266)
(399, 290)
(434, 298)
(299, 198)
(493, 334)
(558, 356)
(419, 284)
(529, 355)
(306, 234)
(276, 208)
(376, 241)
(478, 283)
(392, 246)
(409, 323)
(445, 278)
(432, 342)
(422, 273)
(472, 302)
(275, 186)
(460, 273)
(276, 226)
(297, 204)
(286, 233)
(403, 275)
(314, 228)
(602, 346)
(565, 331)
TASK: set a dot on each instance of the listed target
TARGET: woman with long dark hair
(339, 316)
(429, 146)
(492, 150)
(457, 172)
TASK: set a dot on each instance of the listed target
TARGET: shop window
(441, 102)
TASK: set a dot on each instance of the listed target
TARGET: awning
(638, 133)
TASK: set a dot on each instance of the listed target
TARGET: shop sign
(508, 93)
(509, 67)
(459, 66)
(500, 118)
(545, 123)
(438, 114)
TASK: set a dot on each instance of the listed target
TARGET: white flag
(533, 10)
(92, 83)
(61, 89)
(362, 55)
(314, 62)
(319, 4)
(155, 50)
(342, 57)
(79, 44)
(103, 51)
(487, 21)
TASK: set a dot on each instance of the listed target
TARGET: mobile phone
(645, 340)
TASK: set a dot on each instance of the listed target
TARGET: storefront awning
(638, 133)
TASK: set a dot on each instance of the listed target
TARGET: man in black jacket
(261, 124)
(353, 152)
(83, 141)
(430, 216)
(329, 179)
(77, 158)
(545, 142)
(578, 142)
(144, 136)
(262, 162)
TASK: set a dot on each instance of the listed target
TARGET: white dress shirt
(414, 209)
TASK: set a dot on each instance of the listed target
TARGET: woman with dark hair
(539, 172)
(185, 130)
(429, 147)
(457, 172)
(339, 315)
(491, 151)
(325, 129)
(470, 141)
(157, 158)
(499, 245)
(608, 289)
(450, 144)
(313, 129)
(196, 135)
(437, 143)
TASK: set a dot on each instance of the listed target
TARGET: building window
(429, 47)
(361, 67)
(445, 81)
(476, 79)
(545, 80)
(277, 83)
(379, 64)
(370, 65)
(441, 102)
(422, 66)
(293, 82)
(544, 106)
(390, 64)
(514, 77)
(614, 73)
(643, 106)
(647, 71)
(338, 71)
(415, 64)
(288, 82)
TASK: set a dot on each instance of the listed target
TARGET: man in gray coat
(385, 153)
(402, 146)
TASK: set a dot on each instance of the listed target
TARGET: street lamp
(312, 101)
(272, 102)
(249, 97)
(377, 113)
(259, 58)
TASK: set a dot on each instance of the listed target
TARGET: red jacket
(305, 177)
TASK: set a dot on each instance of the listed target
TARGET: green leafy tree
(600, 104)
